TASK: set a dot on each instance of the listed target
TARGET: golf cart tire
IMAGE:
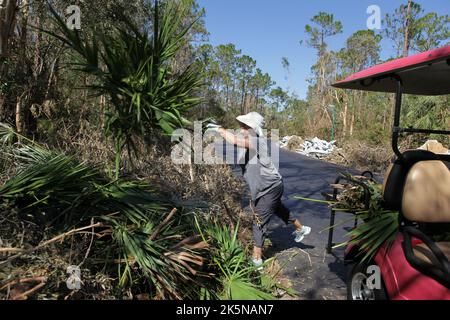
(357, 272)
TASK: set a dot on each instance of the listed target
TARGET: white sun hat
(254, 120)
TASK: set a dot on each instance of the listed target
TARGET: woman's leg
(285, 214)
(263, 209)
(261, 218)
(297, 224)
(259, 231)
(257, 253)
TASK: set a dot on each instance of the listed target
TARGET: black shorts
(264, 208)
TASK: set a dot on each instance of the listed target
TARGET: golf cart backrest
(418, 185)
(426, 194)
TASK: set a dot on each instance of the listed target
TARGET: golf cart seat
(426, 193)
(423, 182)
(394, 180)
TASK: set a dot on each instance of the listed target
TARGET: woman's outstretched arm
(239, 141)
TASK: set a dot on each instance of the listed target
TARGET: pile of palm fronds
(145, 243)
(378, 225)
(150, 239)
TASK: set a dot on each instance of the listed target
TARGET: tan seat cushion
(426, 195)
(424, 253)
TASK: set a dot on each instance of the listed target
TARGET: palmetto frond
(235, 274)
(57, 191)
(134, 70)
(378, 226)
(376, 231)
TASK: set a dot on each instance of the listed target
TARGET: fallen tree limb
(46, 243)
(2, 250)
(23, 280)
(25, 294)
(90, 244)
(163, 223)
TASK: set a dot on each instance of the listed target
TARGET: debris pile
(361, 156)
(292, 143)
(314, 148)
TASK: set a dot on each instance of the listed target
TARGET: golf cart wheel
(357, 288)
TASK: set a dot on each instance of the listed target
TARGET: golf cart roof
(426, 73)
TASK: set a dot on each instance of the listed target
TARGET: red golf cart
(417, 184)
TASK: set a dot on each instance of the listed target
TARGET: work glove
(213, 127)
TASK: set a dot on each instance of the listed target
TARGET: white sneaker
(258, 263)
(300, 234)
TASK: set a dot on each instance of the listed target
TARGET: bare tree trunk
(24, 29)
(19, 118)
(344, 119)
(243, 98)
(358, 105)
(327, 114)
(50, 78)
(406, 43)
(352, 124)
(227, 98)
(20, 124)
(7, 23)
(2, 104)
(352, 120)
(343, 113)
(37, 51)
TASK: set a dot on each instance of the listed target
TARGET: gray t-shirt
(258, 168)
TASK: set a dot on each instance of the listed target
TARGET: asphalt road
(315, 275)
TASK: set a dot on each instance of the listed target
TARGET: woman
(263, 178)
